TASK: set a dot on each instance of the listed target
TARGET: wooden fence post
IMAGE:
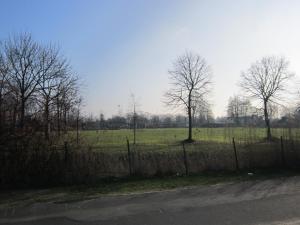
(235, 155)
(129, 157)
(77, 131)
(282, 152)
(185, 160)
(66, 151)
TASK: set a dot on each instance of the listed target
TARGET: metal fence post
(185, 160)
(235, 155)
(129, 157)
(282, 152)
(66, 151)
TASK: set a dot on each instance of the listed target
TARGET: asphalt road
(253, 202)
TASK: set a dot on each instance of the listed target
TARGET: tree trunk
(77, 129)
(2, 119)
(46, 122)
(190, 124)
(65, 120)
(14, 119)
(22, 116)
(267, 120)
(190, 119)
(134, 127)
(58, 117)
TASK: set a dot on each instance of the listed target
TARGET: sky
(125, 47)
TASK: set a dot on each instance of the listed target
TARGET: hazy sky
(122, 47)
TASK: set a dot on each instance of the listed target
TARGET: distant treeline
(180, 121)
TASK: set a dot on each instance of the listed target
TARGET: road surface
(270, 202)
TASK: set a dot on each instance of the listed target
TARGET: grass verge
(116, 186)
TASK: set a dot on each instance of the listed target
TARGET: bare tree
(22, 54)
(36, 84)
(133, 115)
(265, 80)
(66, 99)
(78, 104)
(190, 80)
(238, 108)
(202, 113)
(54, 70)
(3, 85)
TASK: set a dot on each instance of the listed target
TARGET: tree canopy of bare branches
(190, 80)
(54, 72)
(238, 108)
(24, 73)
(36, 82)
(266, 80)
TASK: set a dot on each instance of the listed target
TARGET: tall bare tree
(66, 99)
(36, 84)
(54, 71)
(266, 80)
(3, 85)
(22, 54)
(190, 80)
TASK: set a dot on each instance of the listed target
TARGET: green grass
(128, 186)
(116, 139)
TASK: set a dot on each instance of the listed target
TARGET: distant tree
(117, 122)
(202, 113)
(265, 80)
(190, 80)
(167, 121)
(155, 121)
(142, 121)
(238, 108)
(134, 116)
(180, 121)
(101, 121)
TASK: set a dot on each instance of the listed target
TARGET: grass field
(158, 152)
(172, 136)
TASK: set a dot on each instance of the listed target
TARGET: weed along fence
(69, 164)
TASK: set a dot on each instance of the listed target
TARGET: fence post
(129, 157)
(282, 152)
(77, 131)
(185, 160)
(66, 151)
(235, 155)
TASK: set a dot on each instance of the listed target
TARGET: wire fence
(70, 164)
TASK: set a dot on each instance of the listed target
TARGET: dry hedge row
(65, 165)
